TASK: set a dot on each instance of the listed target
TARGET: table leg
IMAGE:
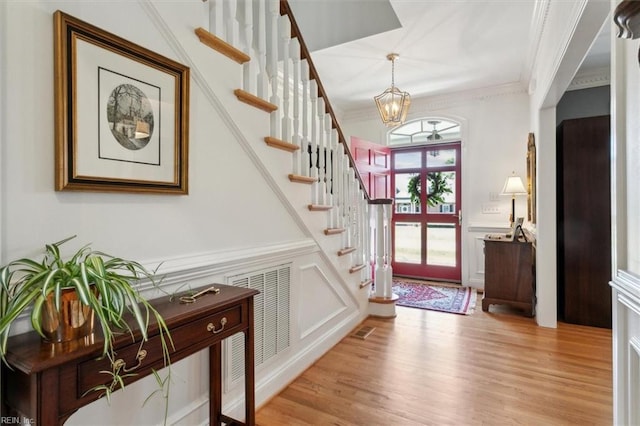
(215, 384)
(249, 373)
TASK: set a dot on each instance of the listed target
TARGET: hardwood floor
(431, 368)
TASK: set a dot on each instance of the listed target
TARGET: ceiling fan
(435, 136)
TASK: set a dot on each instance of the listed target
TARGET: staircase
(279, 79)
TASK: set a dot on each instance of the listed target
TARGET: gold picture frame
(121, 113)
(531, 178)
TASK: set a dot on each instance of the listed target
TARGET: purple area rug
(456, 300)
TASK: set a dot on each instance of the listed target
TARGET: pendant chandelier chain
(393, 71)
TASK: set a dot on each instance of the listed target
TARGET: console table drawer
(47, 383)
(139, 358)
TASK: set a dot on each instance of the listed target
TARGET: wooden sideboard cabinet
(509, 274)
(48, 382)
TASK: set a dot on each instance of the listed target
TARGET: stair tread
(356, 268)
(365, 283)
(255, 101)
(346, 250)
(320, 207)
(280, 144)
(221, 46)
(302, 179)
(333, 231)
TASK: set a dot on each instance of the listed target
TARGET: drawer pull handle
(212, 328)
(120, 363)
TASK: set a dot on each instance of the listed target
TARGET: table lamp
(513, 186)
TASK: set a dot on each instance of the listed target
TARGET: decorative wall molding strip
(330, 315)
(487, 227)
(628, 287)
(177, 272)
(630, 304)
(187, 268)
(538, 25)
(592, 78)
(634, 343)
(564, 41)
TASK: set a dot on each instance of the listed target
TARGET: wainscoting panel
(475, 244)
(626, 348)
(315, 287)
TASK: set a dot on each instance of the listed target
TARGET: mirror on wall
(531, 178)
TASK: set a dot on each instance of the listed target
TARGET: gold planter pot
(72, 321)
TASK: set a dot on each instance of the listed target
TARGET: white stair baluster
(306, 101)
(294, 49)
(327, 159)
(216, 18)
(366, 225)
(263, 80)
(339, 187)
(343, 191)
(231, 32)
(272, 65)
(285, 39)
(321, 153)
(355, 227)
(350, 208)
(313, 89)
(246, 41)
(331, 198)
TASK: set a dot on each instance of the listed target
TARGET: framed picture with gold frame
(121, 113)
(531, 178)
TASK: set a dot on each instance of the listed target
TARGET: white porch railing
(281, 73)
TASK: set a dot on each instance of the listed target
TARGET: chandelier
(393, 104)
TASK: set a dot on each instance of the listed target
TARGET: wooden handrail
(285, 9)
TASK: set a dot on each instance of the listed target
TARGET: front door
(373, 164)
(426, 224)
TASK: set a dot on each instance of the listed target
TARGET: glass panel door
(426, 229)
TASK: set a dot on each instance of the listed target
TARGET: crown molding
(538, 25)
(591, 78)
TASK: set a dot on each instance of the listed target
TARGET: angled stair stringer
(217, 77)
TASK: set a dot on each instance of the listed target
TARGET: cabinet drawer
(140, 358)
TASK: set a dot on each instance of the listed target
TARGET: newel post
(382, 301)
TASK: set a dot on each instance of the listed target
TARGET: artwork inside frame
(121, 113)
(531, 178)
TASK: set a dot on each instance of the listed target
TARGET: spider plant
(103, 282)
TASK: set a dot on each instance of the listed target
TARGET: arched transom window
(425, 131)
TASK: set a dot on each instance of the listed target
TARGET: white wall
(626, 230)
(495, 126)
(235, 219)
(569, 32)
(226, 194)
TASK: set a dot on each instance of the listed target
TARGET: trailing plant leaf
(103, 282)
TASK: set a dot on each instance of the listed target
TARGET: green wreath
(438, 184)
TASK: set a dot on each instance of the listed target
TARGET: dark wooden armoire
(584, 221)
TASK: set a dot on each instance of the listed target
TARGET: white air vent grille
(271, 318)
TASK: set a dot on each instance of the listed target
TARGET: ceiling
(445, 46)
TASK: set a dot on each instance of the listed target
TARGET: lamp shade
(514, 186)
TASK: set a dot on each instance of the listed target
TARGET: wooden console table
(509, 274)
(48, 382)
